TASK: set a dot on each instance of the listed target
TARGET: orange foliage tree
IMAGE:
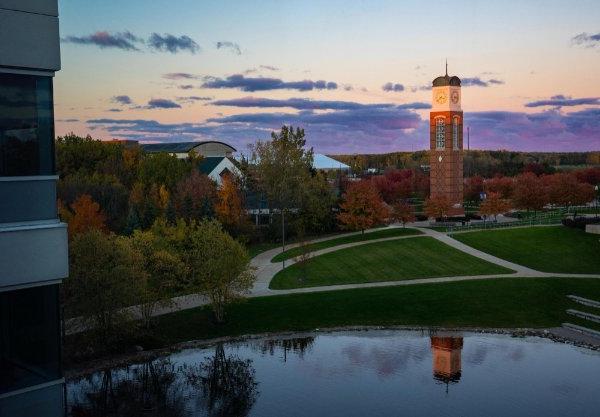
(230, 206)
(438, 207)
(403, 212)
(529, 192)
(493, 205)
(362, 207)
(86, 215)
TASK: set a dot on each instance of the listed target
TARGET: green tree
(219, 265)
(165, 271)
(105, 276)
(282, 168)
(163, 169)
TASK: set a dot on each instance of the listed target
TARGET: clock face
(440, 97)
(454, 97)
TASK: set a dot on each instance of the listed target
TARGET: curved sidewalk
(266, 270)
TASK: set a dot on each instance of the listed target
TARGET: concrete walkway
(266, 270)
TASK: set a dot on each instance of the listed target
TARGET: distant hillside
(476, 162)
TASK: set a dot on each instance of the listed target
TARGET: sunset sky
(354, 74)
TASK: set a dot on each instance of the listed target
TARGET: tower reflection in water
(446, 352)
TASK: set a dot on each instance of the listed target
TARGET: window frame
(440, 132)
(455, 127)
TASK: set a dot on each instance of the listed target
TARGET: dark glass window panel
(29, 337)
(26, 125)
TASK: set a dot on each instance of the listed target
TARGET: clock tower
(446, 142)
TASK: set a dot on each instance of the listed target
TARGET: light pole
(597, 198)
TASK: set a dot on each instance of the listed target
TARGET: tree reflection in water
(148, 390)
(223, 385)
(227, 384)
(298, 345)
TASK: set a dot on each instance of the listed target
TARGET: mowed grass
(419, 257)
(547, 249)
(379, 234)
(504, 302)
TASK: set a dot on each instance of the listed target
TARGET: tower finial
(446, 67)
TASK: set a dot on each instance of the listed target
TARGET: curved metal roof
(180, 147)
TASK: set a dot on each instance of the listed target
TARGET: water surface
(370, 373)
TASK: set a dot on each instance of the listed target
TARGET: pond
(364, 373)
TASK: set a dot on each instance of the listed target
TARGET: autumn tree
(86, 215)
(501, 185)
(473, 188)
(362, 207)
(403, 212)
(229, 207)
(564, 190)
(529, 192)
(195, 197)
(493, 205)
(438, 207)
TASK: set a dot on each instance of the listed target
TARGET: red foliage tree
(473, 188)
(502, 185)
(195, 196)
(589, 175)
(564, 190)
(362, 207)
(529, 192)
(403, 212)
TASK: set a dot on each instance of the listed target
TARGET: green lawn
(506, 302)
(313, 247)
(548, 249)
(419, 257)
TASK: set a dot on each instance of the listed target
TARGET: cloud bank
(250, 84)
(372, 129)
(127, 41)
(564, 101)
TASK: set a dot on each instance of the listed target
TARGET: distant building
(217, 157)
(206, 149)
(217, 167)
(325, 163)
(33, 242)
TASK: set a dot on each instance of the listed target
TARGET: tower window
(455, 133)
(440, 134)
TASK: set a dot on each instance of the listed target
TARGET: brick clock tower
(446, 142)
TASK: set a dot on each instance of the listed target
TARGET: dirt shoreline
(141, 356)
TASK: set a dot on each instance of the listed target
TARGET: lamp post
(597, 198)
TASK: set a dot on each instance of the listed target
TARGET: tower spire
(446, 67)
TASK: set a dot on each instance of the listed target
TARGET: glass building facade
(26, 125)
(33, 241)
(29, 337)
